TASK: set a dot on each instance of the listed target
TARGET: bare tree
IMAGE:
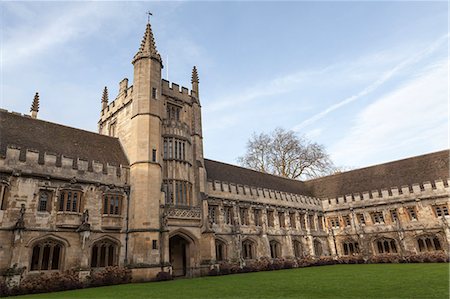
(285, 154)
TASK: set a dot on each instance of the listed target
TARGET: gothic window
(228, 215)
(386, 246)
(312, 224)
(441, 211)
(212, 214)
(112, 129)
(221, 250)
(257, 216)
(334, 222)
(320, 222)
(243, 214)
(297, 248)
(292, 220)
(44, 201)
(112, 204)
(104, 254)
(174, 148)
(281, 219)
(429, 243)
(275, 249)
(412, 213)
(70, 201)
(270, 219)
(347, 221)
(318, 251)
(173, 112)
(350, 247)
(302, 221)
(3, 196)
(248, 250)
(177, 192)
(46, 255)
(377, 217)
(394, 215)
(361, 219)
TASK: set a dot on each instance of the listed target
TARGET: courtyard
(337, 281)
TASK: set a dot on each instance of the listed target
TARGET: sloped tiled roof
(29, 133)
(414, 170)
(234, 174)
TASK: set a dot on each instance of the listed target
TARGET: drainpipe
(127, 192)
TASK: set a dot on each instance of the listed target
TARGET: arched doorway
(179, 258)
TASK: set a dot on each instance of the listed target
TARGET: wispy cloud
(373, 86)
(408, 121)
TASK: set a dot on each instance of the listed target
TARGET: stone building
(140, 193)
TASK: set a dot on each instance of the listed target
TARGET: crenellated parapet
(426, 190)
(232, 191)
(123, 99)
(43, 164)
(173, 90)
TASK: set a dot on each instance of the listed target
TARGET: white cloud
(408, 121)
(373, 86)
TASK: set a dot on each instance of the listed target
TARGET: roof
(414, 170)
(34, 134)
(218, 171)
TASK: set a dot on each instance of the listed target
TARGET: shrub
(110, 276)
(163, 276)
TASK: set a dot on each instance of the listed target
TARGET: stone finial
(105, 98)
(35, 106)
(194, 78)
(148, 46)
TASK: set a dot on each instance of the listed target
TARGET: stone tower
(144, 153)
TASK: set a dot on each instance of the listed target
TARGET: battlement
(30, 161)
(173, 90)
(417, 191)
(261, 195)
(123, 99)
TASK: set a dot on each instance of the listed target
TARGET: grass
(338, 281)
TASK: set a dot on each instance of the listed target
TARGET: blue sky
(369, 80)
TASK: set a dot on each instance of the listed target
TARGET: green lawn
(338, 281)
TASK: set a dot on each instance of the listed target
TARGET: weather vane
(148, 18)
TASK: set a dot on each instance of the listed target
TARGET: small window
(441, 211)
(70, 201)
(228, 215)
(154, 93)
(270, 218)
(292, 220)
(173, 112)
(334, 222)
(412, 213)
(3, 196)
(154, 244)
(257, 217)
(281, 219)
(347, 220)
(243, 214)
(297, 248)
(377, 217)
(350, 248)
(154, 155)
(212, 214)
(44, 201)
(361, 219)
(275, 249)
(394, 215)
(112, 204)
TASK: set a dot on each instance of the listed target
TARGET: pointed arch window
(318, 251)
(429, 244)
(298, 252)
(46, 255)
(275, 249)
(248, 250)
(384, 246)
(221, 251)
(104, 254)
